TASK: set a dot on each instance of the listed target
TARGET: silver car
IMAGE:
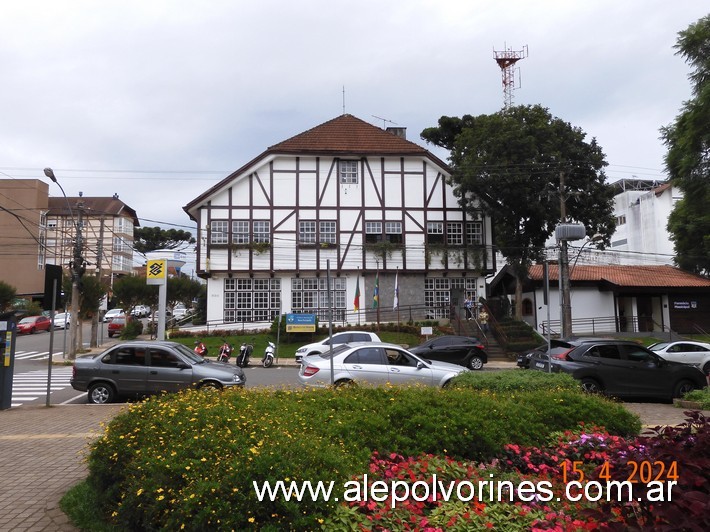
(374, 363)
(143, 368)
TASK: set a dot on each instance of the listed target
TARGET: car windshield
(190, 354)
(659, 346)
(27, 320)
(336, 350)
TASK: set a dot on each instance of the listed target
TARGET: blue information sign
(300, 322)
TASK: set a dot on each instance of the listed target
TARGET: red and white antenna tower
(506, 60)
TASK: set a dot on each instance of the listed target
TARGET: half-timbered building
(347, 200)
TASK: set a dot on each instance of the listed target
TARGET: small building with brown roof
(614, 298)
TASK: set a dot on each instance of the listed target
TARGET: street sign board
(300, 322)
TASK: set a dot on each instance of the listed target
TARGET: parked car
(32, 324)
(140, 311)
(179, 313)
(621, 369)
(116, 325)
(687, 352)
(374, 363)
(112, 314)
(316, 348)
(144, 368)
(62, 320)
(525, 357)
(465, 351)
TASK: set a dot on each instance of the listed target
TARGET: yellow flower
(251, 519)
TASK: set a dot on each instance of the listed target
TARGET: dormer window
(348, 172)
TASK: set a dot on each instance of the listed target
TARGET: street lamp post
(77, 267)
(563, 233)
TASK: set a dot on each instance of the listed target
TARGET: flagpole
(396, 294)
(377, 293)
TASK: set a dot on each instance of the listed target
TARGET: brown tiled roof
(629, 276)
(347, 134)
(93, 206)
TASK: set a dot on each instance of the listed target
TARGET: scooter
(268, 359)
(244, 354)
(200, 349)
(225, 352)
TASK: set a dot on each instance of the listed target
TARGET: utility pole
(78, 267)
(566, 307)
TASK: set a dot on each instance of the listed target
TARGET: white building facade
(348, 199)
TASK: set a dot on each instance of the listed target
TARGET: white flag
(396, 292)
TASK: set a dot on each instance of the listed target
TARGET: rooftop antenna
(384, 120)
(343, 99)
(506, 60)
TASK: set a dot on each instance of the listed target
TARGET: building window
(348, 172)
(393, 232)
(373, 232)
(240, 232)
(307, 232)
(120, 245)
(52, 224)
(262, 231)
(219, 232)
(435, 232)
(251, 300)
(454, 233)
(621, 220)
(309, 295)
(328, 233)
(474, 233)
(437, 294)
(123, 225)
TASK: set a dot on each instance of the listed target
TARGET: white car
(374, 363)
(140, 311)
(113, 313)
(62, 320)
(687, 352)
(179, 313)
(323, 346)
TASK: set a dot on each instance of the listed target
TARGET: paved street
(32, 385)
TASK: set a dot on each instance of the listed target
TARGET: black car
(620, 369)
(465, 351)
(558, 346)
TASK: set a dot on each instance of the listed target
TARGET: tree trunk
(518, 298)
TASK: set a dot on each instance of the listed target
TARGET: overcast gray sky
(159, 100)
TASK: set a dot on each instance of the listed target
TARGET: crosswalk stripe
(32, 385)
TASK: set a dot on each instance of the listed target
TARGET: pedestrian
(483, 319)
(468, 305)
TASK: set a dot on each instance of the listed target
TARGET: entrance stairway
(493, 348)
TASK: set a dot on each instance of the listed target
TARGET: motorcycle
(225, 352)
(268, 359)
(200, 349)
(244, 354)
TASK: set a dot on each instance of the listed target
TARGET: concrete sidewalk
(42, 451)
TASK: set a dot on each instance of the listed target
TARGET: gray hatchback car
(144, 368)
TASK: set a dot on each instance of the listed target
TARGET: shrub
(189, 459)
(699, 396)
(132, 329)
(515, 381)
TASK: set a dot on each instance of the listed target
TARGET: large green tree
(517, 165)
(147, 239)
(688, 156)
(7, 295)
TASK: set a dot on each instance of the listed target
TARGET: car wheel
(210, 385)
(101, 393)
(32, 330)
(706, 369)
(344, 383)
(682, 388)
(110, 335)
(475, 363)
(591, 386)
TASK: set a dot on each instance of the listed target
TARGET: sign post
(157, 274)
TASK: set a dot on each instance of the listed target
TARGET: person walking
(483, 319)
(468, 305)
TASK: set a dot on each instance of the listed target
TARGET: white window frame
(219, 232)
(348, 171)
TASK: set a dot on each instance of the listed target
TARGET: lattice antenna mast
(506, 60)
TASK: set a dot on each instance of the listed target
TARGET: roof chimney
(401, 132)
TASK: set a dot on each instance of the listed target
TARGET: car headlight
(301, 350)
(238, 378)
